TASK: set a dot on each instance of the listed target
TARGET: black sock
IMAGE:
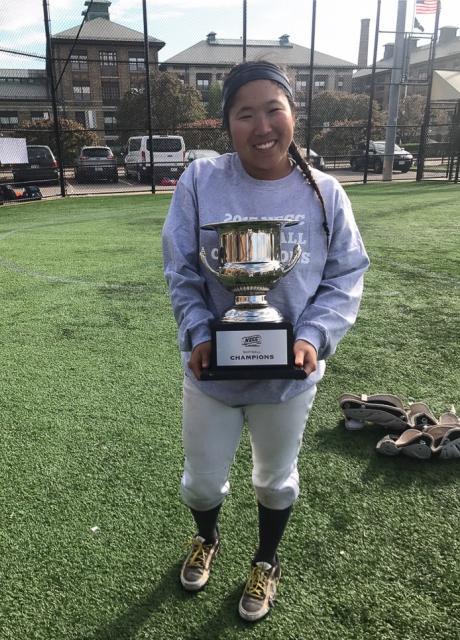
(272, 523)
(206, 522)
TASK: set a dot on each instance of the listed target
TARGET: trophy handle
(204, 260)
(296, 253)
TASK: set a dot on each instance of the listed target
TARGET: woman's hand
(200, 358)
(305, 356)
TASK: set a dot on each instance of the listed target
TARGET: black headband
(254, 71)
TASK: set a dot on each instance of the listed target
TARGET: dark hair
(245, 72)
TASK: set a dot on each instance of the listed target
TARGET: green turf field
(91, 525)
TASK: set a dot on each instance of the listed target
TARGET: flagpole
(426, 115)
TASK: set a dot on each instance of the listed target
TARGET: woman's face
(262, 127)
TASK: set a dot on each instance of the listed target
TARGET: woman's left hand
(305, 356)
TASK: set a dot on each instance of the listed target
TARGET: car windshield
(96, 152)
(165, 144)
(380, 147)
(38, 153)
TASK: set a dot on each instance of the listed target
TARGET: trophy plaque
(251, 340)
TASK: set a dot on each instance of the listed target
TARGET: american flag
(426, 6)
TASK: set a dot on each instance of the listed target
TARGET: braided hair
(245, 72)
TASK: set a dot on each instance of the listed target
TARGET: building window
(110, 121)
(301, 82)
(136, 62)
(110, 92)
(9, 119)
(339, 83)
(320, 83)
(80, 118)
(79, 61)
(39, 115)
(81, 92)
(137, 86)
(203, 81)
(108, 61)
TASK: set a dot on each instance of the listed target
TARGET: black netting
(106, 93)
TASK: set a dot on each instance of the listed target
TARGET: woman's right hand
(200, 358)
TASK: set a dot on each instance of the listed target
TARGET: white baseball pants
(211, 434)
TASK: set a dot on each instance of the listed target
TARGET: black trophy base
(253, 373)
(269, 344)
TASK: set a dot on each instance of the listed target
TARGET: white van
(168, 157)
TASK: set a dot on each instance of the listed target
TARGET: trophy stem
(252, 308)
(253, 300)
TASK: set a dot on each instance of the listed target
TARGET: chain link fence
(95, 104)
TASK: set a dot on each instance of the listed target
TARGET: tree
(215, 100)
(410, 119)
(173, 104)
(333, 106)
(73, 136)
(340, 120)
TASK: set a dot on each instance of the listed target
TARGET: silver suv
(96, 163)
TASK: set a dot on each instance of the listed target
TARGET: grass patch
(90, 425)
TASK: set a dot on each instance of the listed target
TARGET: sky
(182, 23)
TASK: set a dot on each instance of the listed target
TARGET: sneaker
(197, 565)
(260, 590)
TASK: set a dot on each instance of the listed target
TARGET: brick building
(107, 61)
(208, 61)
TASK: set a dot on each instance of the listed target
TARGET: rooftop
(105, 30)
(219, 51)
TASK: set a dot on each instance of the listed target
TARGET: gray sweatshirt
(320, 296)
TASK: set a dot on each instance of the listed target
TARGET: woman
(266, 177)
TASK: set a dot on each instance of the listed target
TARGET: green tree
(344, 135)
(173, 104)
(215, 100)
(333, 106)
(73, 136)
(410, 119)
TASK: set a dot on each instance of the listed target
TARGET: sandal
(441, 440)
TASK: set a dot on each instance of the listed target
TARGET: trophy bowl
(249, 265)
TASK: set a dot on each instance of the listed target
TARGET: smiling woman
(262, 127)
(266, 178)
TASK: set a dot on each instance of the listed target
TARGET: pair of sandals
(420, 435)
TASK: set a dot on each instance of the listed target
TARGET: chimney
(363, 43)
(98, 9)
(211, 37)
(284, 40)
(389, 50)
(447, 34)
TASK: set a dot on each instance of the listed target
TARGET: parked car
(96, 163)
(314, 159)
(194, 154)
(41, 167)
(168, 157)
(402, 161)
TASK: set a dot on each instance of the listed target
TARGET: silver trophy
(252, 339)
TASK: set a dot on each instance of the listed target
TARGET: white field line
(11, 266)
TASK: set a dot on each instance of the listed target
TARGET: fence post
(245, 18)
(372, 93)
(50, 74)
(147, 90)
(426, 115)
(310, 84)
